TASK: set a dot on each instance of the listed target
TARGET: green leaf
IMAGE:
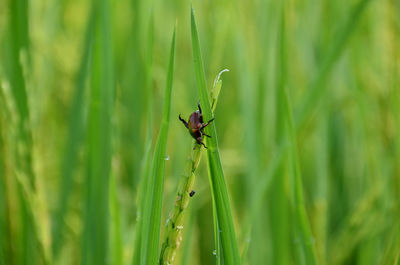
(304, 238)
(15, 61)
(140, 229)
(75, 135)
(3, 193)
(230, 252)
(305, 246)
(146, 161)
(96, 215)
(154, 192)
(115, 235)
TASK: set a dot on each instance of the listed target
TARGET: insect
(196, 125)
(191, 194)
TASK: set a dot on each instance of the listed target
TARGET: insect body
(196, 126)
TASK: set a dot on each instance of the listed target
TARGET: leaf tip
(192, 14)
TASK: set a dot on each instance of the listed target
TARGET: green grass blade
(95, 238)
(146, 162)
(304, 240)
(18, 40)
(16, 53)
(303, 233)
(318, 87)
(4, 240)
(230, 252)
(320, 216)
(115, 235)
(75, 133)
(217, 241)
(258, 195)
(279, 210)
(152, 217)
(140, 229)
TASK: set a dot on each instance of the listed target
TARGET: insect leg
(198, 105)
(203, 133)
(184, 122)
(206, 124)
(200, 142)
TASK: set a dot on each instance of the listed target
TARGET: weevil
(196, 125)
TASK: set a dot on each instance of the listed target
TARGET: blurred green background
(78, 79)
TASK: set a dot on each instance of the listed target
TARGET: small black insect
(191, 194)
(196, 125)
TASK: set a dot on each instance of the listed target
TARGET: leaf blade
(154, 194)
(230, 252)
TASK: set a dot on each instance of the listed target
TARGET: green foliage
(75, 135)
(96, 168)
(225, 228)
(99, 148)
(154, 190)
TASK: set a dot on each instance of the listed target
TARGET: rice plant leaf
(257, 201)
(306, 244)
(146, 162)
(75, 133)
(153, 204)
(16, 53)
(304, 240)
(230, 252)
(141, 228)
(96, 215)
(17, 44)
(3, 195)
(115, 235)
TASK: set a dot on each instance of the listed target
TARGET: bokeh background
(338, 60)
